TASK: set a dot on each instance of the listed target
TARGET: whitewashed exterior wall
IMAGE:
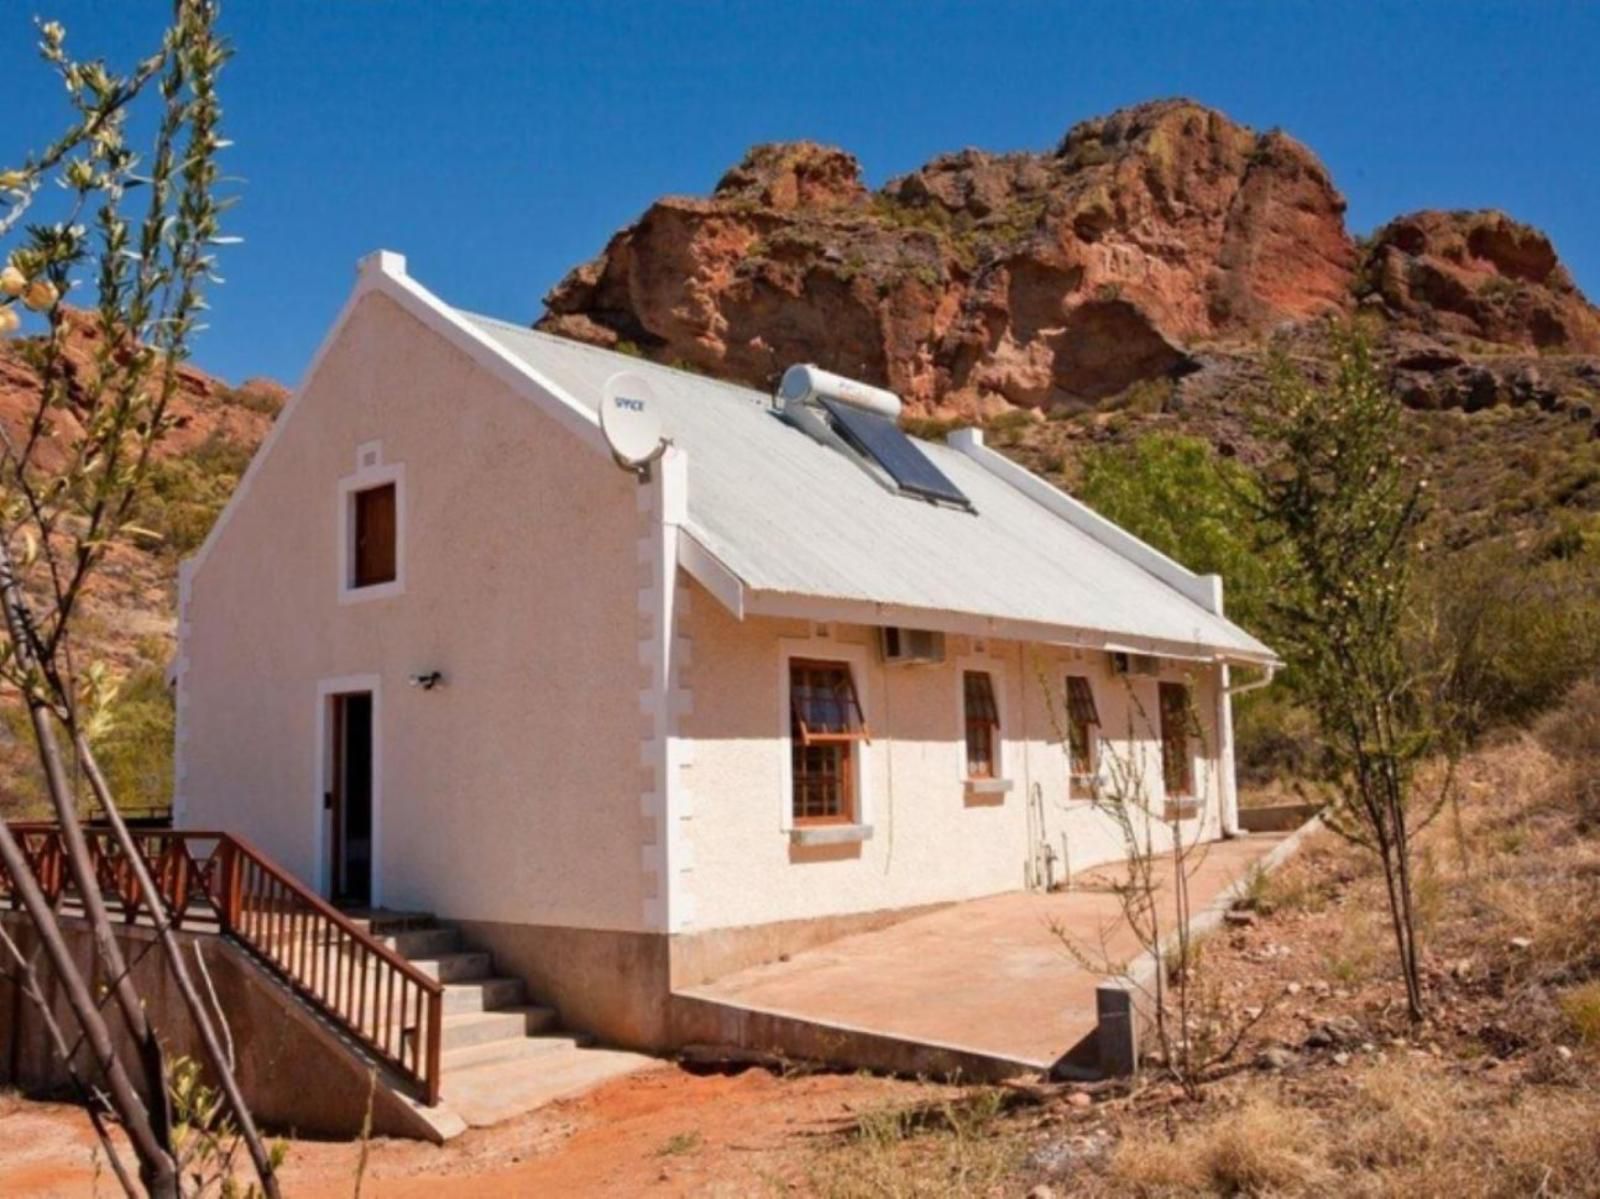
(513, 791)
(931, 840)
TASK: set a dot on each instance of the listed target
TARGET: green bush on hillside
(187, 492)
(134, 743)
(1182, 497)
(1505, 630)
(1199, 508)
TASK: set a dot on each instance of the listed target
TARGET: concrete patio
(987, 987)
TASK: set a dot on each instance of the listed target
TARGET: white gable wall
(512, 791)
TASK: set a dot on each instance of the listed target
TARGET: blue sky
(499, 144)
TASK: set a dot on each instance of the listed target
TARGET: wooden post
(435, 1034)
(228, 905)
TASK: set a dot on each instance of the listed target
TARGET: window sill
(829, 834)
(1183, 809)
(986, 791)
(372, 591)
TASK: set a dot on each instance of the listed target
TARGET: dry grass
(1581, 1007)
(1261, 1147)
(1398, 1132)
(1302, 885)
(964, 1148)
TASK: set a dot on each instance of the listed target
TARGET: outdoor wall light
(427, 681)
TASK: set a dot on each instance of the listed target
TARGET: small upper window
(983, 724)
(825, 723)
(1177, 727)
(374, 542)
(1083, 719)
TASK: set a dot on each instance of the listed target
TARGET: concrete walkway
(500, 1090)
(989, 977)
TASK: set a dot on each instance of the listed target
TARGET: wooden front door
(351, 800)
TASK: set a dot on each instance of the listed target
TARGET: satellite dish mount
(630, 418)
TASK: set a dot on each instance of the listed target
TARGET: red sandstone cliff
(1143, 243)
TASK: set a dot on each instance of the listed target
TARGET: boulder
(1478, 275)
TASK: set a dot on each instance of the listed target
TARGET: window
(1177, 726)
(374, 543)
(983, 724)
(825, 724)
(1083, 718)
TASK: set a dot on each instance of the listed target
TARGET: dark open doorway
(350, 801)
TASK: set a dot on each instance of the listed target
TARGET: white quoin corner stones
(179, 682)
(665, 698)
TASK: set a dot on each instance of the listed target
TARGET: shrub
(1581, 1006)
(1188, 502)
(1261, 1147)
(187, 492)
(134, 748)
(1506, 631)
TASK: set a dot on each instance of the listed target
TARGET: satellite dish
(631, 420)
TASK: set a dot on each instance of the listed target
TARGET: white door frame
(325, 753)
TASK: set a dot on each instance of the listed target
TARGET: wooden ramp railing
(216, 882)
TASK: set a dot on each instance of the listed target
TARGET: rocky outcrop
(1477, 276)
(202, 406)
(981, 280)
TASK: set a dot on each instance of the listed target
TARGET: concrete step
(498, 1090)
(511, 1049)
(455, 967)
(424, 942)
(475, 1028)
(382, 922)
(483, 995)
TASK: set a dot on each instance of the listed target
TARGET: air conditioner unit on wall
(1125, 663)
(912, 645)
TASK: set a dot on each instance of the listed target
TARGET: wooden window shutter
(983, 721)
(826, 722)
(1083, 717)
(1080, 700)
(1177, 726)
(375, 533)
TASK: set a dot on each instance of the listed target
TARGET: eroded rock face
(1481, 276)
(980, 279)
(202, 406)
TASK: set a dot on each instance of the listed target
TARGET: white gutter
(1265, 680)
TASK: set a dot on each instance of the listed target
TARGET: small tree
(1195, 1032)
(1342, 504)
(72, 473)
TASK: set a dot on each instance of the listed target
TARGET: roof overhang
(744, 602)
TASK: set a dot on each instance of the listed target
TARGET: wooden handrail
(373, 994)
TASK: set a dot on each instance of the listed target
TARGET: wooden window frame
(369, 478)
(985, 725)
(1177, 743)
(841, 741)
(362, 517)
(1083, 718)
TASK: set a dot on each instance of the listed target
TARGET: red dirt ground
(666, 1131)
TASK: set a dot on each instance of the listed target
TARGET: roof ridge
(745, 391)
(573, 343)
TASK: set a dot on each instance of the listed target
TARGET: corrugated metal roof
(787, 514)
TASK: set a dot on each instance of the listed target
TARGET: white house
(635, 729)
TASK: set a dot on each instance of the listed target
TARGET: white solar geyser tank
(807, 384)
